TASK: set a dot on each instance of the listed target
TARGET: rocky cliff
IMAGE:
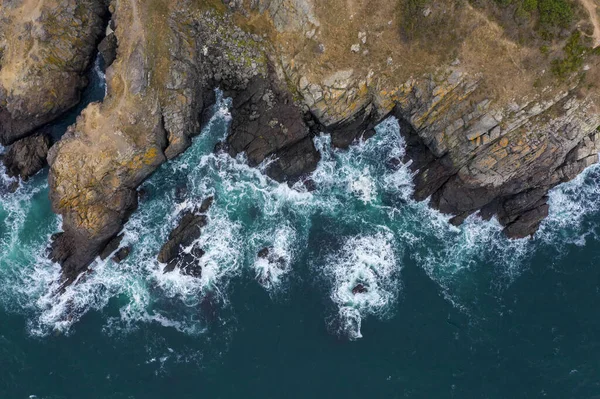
(45, 48)
(493, 116)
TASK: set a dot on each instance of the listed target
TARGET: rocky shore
(488, 128)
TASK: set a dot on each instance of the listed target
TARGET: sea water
(365, 291)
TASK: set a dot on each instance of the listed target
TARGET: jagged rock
(27, 156)
(121, 254)
(111, 247)
(527, 223)
(46, 51)
(206, 204)
(187, 231)
(266, 123)
(108, 49)
(472, 147)
(263, 253)
(221, 147)
(143, 195)
(359, 289)
(187, 263)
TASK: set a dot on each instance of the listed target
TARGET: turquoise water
(447, 313)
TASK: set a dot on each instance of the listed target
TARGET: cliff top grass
(516, 46)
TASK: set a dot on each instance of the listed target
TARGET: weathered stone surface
(46, 48)
(472, 147)
(26, 157)
(108, 49)
(266, 122)
(186, 232)
(290, 15)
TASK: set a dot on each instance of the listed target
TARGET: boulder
(108, 49)
(27, 156)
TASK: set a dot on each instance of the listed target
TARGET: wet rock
(27, 156)
(393, 163)
(309, 184)
(181, 193)
(206, 204)
(186, 232)
(527, 223)
(266, 122)
(111, 247)
(187, 263)
(121, 254)
(271, 256)
(221, 147)
(264, 253)
(143, 195)
(360, 289)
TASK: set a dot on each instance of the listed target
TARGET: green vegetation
(433, 25)
(574, 56)
(531, 19)
(411, 12)
(555, 13)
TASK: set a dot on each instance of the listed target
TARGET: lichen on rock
(489, 126)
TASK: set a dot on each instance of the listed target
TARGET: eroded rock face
(183, 235)
(473, 148)
(266, 122)
(27, 156)
(478, 156)
(45, 48)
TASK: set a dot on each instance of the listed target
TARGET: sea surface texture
(366, 294)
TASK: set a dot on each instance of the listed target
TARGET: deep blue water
(448, 312)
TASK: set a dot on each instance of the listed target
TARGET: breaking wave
(356, 232)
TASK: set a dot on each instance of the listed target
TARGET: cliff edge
(498, 101)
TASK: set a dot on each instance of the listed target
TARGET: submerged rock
(359, 289)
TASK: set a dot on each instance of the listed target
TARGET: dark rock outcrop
(187, 231)
(25, 157)
(108, 49)
(111, 247)
(121, 254)
(472, 148)
(267, 122)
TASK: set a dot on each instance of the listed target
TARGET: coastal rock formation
(490, 130)
(494, 114)
(187, 231)
(45, 48)
(27, 156)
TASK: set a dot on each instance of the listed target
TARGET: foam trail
(272, 268)
(353, 231)
(364, 274)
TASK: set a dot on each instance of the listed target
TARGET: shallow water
(367, 292)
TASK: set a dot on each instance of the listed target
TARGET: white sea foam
(361, 215)
(364, 274)
(271, 269)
